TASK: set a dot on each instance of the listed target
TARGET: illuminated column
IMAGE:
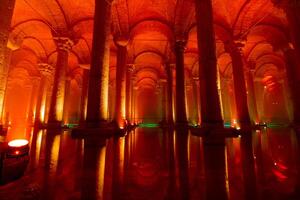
(33, 99)
(181, 118)
(251, 94)
(128, 109)
(120, 84)
(189, 101)
(66, 100)
(6, 10)
(170, 94)
(134, 104)
(163, 86)
(210, 102)
(46, 72)
(98, 76)
(293, 74)
(84, 90)
(235, 51)
(58, 90)
(226, 99)
(196, 96)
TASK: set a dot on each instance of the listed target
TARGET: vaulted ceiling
(151, 26)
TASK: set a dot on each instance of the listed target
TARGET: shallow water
(154, 164)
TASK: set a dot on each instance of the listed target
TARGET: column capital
(35, 79)
(130, 67)
(180, 45)
(121, 40)
(45, 69)
(234, 45)
(63, 43)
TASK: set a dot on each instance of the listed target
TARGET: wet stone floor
(156, 164)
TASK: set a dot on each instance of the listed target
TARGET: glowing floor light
(17, 148)
(18, 143)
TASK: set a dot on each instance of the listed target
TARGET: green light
(148, 125)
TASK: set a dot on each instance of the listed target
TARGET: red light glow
(18, 143)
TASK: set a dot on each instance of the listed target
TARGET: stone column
(129, 73)
(181, 118)
(98, 76)
(134, 104)
(6, 10)
(58, 90)
(226, 99)
(66, 100)
(235, 51)
(36, 81)
(210, 102)
(292, 71)
(120, 110)
(170, 94)
(84, 93)
(46, 72)
(196, 95)
(251, 95)
(163, 86)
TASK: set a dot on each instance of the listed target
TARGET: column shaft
(129, 93)
(83, 100)
(6, 10)
(98, 77)
(181, 117)
(120, 86)
(58, 90)
(239, 86)
(210, 102)
(251, 95)
(170, 94)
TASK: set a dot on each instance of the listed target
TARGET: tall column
(84, 91)
(210, 102)
(251, 95)
(6, 10)
(134, 95)
(46, 72)
(170, 94)
(58, 90)
(196, 99)
(98, 77)
(181, 118)
(129, 73)
(66, 100)
(163, 86)
(36, 81)
(235, 52)
(226, 99)
(293, 74)
(120, 110)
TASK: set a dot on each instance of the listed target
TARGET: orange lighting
(18, 143)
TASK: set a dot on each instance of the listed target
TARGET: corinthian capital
(63, 43)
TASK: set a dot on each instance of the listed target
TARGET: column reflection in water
(181, 162)
(214, 166)
(93, 169)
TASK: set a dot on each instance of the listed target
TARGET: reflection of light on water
(101, 170)
(38, 145)
(122, 155)
(55, 153)
(226, 174)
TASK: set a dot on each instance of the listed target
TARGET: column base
(97, 130)
(215, 132)
(181, 124)
(54, 125)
